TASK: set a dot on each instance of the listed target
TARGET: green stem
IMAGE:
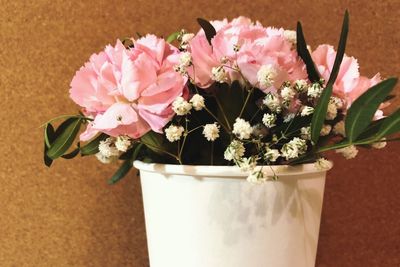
(163, 151)
(66, 116)
(223, 112)
(245, 102)
(215, 118)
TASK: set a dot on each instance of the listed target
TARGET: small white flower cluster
(185, 61)
(339, 129)
(219, 74)
(294, 148)
(184, 38)
(301, 86)
(111, 148)
(272, 154)
(272, 102)
(323, 164)
(182, 107)
(269, 120)
(290, 36)
(235, 151)
(266, 75)
(242, 129)
(305, 133)
(379, 145)
(174, 132)
(348, 152)
(307, 111)
(211, 131)
(315, 90)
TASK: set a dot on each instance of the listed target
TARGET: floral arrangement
(234, 93)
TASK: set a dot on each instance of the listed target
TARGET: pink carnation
(247, 45)
(349, 85)
(129, 91)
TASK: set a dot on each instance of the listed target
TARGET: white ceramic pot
(210, 216)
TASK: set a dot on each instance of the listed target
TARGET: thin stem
(212, 153)
(66, 116)
(223, 112)
(163, 151)
(215, 118)
(245, 102)
(184, 139)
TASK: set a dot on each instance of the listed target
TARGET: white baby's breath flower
(197, 102)
(269, 120)
(107, 148)
(300, 86)
(185, 59)
(256, 177)
(307, 110)
(272, 154)
(325, 130)
(289, 151)
(181, 106)
(247, 164)
(314, 90)
(122, 143)
(272, 102)
(242, 129)
(104, 159)
(290, 36)
(348, 152)
(331, 113)
(187, 37)
(234, 151)
(219, 74)
(211, 131)
(294, 148)
(379, 145)
(323, 164)
(339, 129)
(305, 133)
(266, 75)
(337, 102)
(174, 133)
(289, 117)
(287, 93)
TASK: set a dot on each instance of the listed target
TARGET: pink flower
(243, 47)
(129, 91)
(349, 85)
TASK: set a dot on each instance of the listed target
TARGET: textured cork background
(69, 216)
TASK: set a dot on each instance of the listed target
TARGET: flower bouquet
(237, 100)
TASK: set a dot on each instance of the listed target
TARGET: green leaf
(93, 146)
(319, 115)
(125, 167)
(172, 37)
(390, 125)
(303, 52)
(363, 109)
(48, 139)
(341, 49)
(371, 130)
(208, 28)
(153, 140)
(65, 135)
(72, 154)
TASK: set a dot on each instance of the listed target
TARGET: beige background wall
(69, 216)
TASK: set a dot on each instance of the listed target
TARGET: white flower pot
(210, 216)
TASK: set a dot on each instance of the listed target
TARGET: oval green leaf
(301, 45)
(319, 115)
(93, 146)
(362, 111)
(208, 28)
(64, 138)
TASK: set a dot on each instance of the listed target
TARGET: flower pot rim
(226, 171)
